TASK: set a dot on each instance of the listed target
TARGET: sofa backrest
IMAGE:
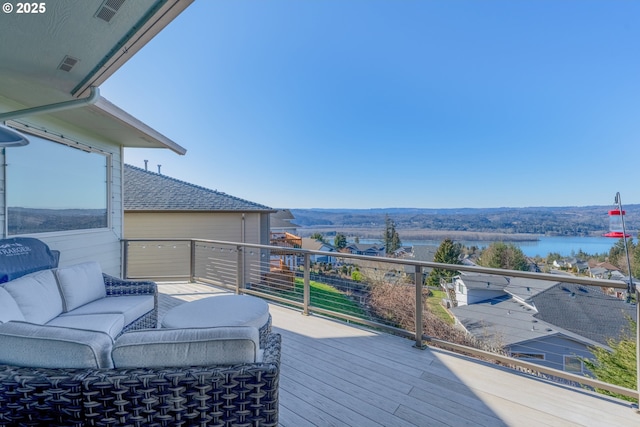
(20, 256)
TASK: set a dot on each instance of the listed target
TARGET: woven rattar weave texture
(230, 396)
(118, 287)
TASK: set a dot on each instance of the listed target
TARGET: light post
(630, 285)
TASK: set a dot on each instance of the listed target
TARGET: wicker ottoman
(221, 310)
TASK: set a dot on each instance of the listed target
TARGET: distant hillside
(421, 223)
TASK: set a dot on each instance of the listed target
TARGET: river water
(565, 246)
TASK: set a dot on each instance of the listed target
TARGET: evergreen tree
(340, 241)
(618, 366)
(319, 237)
(504, 255)
(447, 253)
(392, 240)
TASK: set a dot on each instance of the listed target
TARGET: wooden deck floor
(333, 374)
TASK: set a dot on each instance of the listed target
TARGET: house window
(461, 288)
(573, 364)
(52, 187)
(520, 355)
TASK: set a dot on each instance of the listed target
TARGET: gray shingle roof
(484, 281)
(150, 191)
(584, 310)
(502, 321)
(527, 288)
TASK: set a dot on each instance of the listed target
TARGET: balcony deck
(333, 374)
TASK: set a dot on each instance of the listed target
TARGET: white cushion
(131, 306)
(9, 309)
(38, 346)
(222, 310)
(111, 324)
(37, 296)
(155, 348)
(81, 284)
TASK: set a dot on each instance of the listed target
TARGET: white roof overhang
(73, 45)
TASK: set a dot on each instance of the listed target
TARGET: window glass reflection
(54, 187)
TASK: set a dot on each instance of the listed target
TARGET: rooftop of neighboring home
(505, 321)
(574, 310)
(586, 311)
(316, 245)
(524, 289)
(484, 281)
(364, 247)
(150, 191)
(281, 219)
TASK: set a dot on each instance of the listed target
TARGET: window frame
(515, 355)
(576, 359)
(69, 143)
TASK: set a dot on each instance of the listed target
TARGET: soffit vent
(67, 63)
(108, 9)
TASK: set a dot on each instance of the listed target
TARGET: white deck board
(334, 374)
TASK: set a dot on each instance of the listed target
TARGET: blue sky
(395, 103)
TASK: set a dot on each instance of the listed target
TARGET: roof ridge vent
(108, 9)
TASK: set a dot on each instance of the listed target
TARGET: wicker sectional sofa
(73, 353)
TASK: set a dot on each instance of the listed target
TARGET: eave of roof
(110, 123)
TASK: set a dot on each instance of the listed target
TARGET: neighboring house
(550, 323)
(571, 263)
(473, 288)
(281, 222)
(404, 252)
(65, 187)
(283, 233)
(365, 249)
(158, 206)
(604, 270)
(317, 245)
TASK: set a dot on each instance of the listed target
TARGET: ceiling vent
(108, 9)
(67, 63)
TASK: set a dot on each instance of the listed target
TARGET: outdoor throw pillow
(37, 295)
(9, 309)
(80, 284)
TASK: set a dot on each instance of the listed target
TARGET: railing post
(192, 272)
(240, 275)
(637, 341)
(418, 283)
(306, 292)
(125, 258)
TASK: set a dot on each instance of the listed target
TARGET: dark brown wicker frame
(243, 395)
(118, 287)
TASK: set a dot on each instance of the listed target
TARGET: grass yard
(322, 296)
(434, 306)
(329, 298)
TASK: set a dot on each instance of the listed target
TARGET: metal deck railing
(389, 294)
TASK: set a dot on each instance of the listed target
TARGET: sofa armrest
(120, 287)
(271, 351)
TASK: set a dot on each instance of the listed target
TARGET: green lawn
(329, 298)
(322, 296)
(434, 306)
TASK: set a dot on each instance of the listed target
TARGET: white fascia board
(106, 107)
